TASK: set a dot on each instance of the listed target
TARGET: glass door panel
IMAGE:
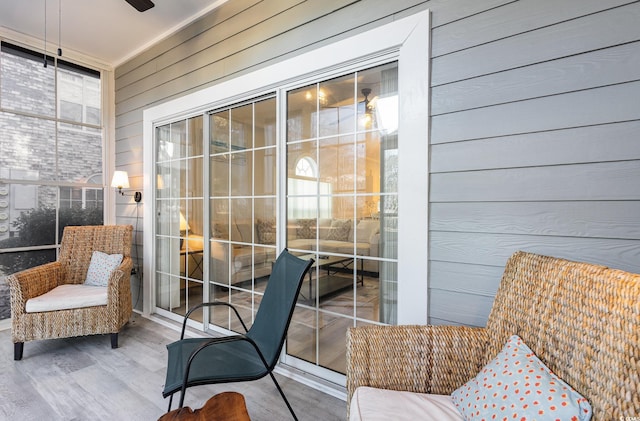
(341, 209)
(342, 170)
(242, 207)
(179, 216)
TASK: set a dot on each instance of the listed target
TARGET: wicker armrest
(120, 275)
(119, 290)
(425, 359)
(32, 283)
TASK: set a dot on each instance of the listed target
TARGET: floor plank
(84, 379)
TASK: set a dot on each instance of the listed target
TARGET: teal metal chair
(240, 357)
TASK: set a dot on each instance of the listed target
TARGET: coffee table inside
(326, 284)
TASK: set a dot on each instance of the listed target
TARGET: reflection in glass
(336, 107)
(220, 262)
(243, 301)
(28, 148)
(241, 127)
(301, 105)
(265, 171)
(219, 123)
(21, 68)
(69, 167)
(219, 178)
(342, 208)
(220, 314)
(194, 140)
(265, 123)
(180, 236)
(50, 130)
(302, 334)
(241, 173)
(242, 207)
(13, 262)
(332, 336)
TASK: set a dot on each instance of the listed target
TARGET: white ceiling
(107, 31)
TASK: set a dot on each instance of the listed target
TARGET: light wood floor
(84, 379)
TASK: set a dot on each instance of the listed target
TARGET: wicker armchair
(78, 244)
(581, 320)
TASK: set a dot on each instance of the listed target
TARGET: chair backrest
(274, 314)
(79, 242)
(582, 320)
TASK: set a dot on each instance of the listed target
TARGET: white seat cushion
(371, 404)
(66, 297)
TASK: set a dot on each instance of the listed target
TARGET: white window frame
(406, 40)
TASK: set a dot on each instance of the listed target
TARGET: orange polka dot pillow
(516, 385)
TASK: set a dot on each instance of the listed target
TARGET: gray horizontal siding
(608, 104)
(585, 219)
(600, 143)
(610, 66)
(593, 31)
(494, 249)
(515, 17)
(596, 181)
(238, 37)
(534, 124)
(534, 134)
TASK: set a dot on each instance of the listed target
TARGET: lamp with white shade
(120, 181)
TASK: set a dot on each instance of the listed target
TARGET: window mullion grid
(317, 277)
(57, 163)
(355, 163)
(253, 209)
(206, 197)
(187, 204)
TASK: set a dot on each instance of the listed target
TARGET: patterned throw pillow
(516, 385)
(266, 229)
(100, 268)
(339, 230)
(220, 231)
(306, 228)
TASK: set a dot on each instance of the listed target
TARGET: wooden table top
(225, 406)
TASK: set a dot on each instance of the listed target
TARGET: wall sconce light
(120, 181)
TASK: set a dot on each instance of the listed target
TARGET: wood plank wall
(535, 122)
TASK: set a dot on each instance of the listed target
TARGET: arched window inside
(306, 167)
(305, 185)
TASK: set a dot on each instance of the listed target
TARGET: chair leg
(283, 396)
(170, 401)
(114, 340)
(18, 347)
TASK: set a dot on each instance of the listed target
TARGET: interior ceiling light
(366, 92)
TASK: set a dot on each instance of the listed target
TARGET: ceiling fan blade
(141, 5)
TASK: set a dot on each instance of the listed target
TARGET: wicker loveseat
(581, 320)
(76, 249)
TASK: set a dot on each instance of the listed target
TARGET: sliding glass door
(339, 207)
(242, 207)
(179, 221)
(302, 154)
(342, 196)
